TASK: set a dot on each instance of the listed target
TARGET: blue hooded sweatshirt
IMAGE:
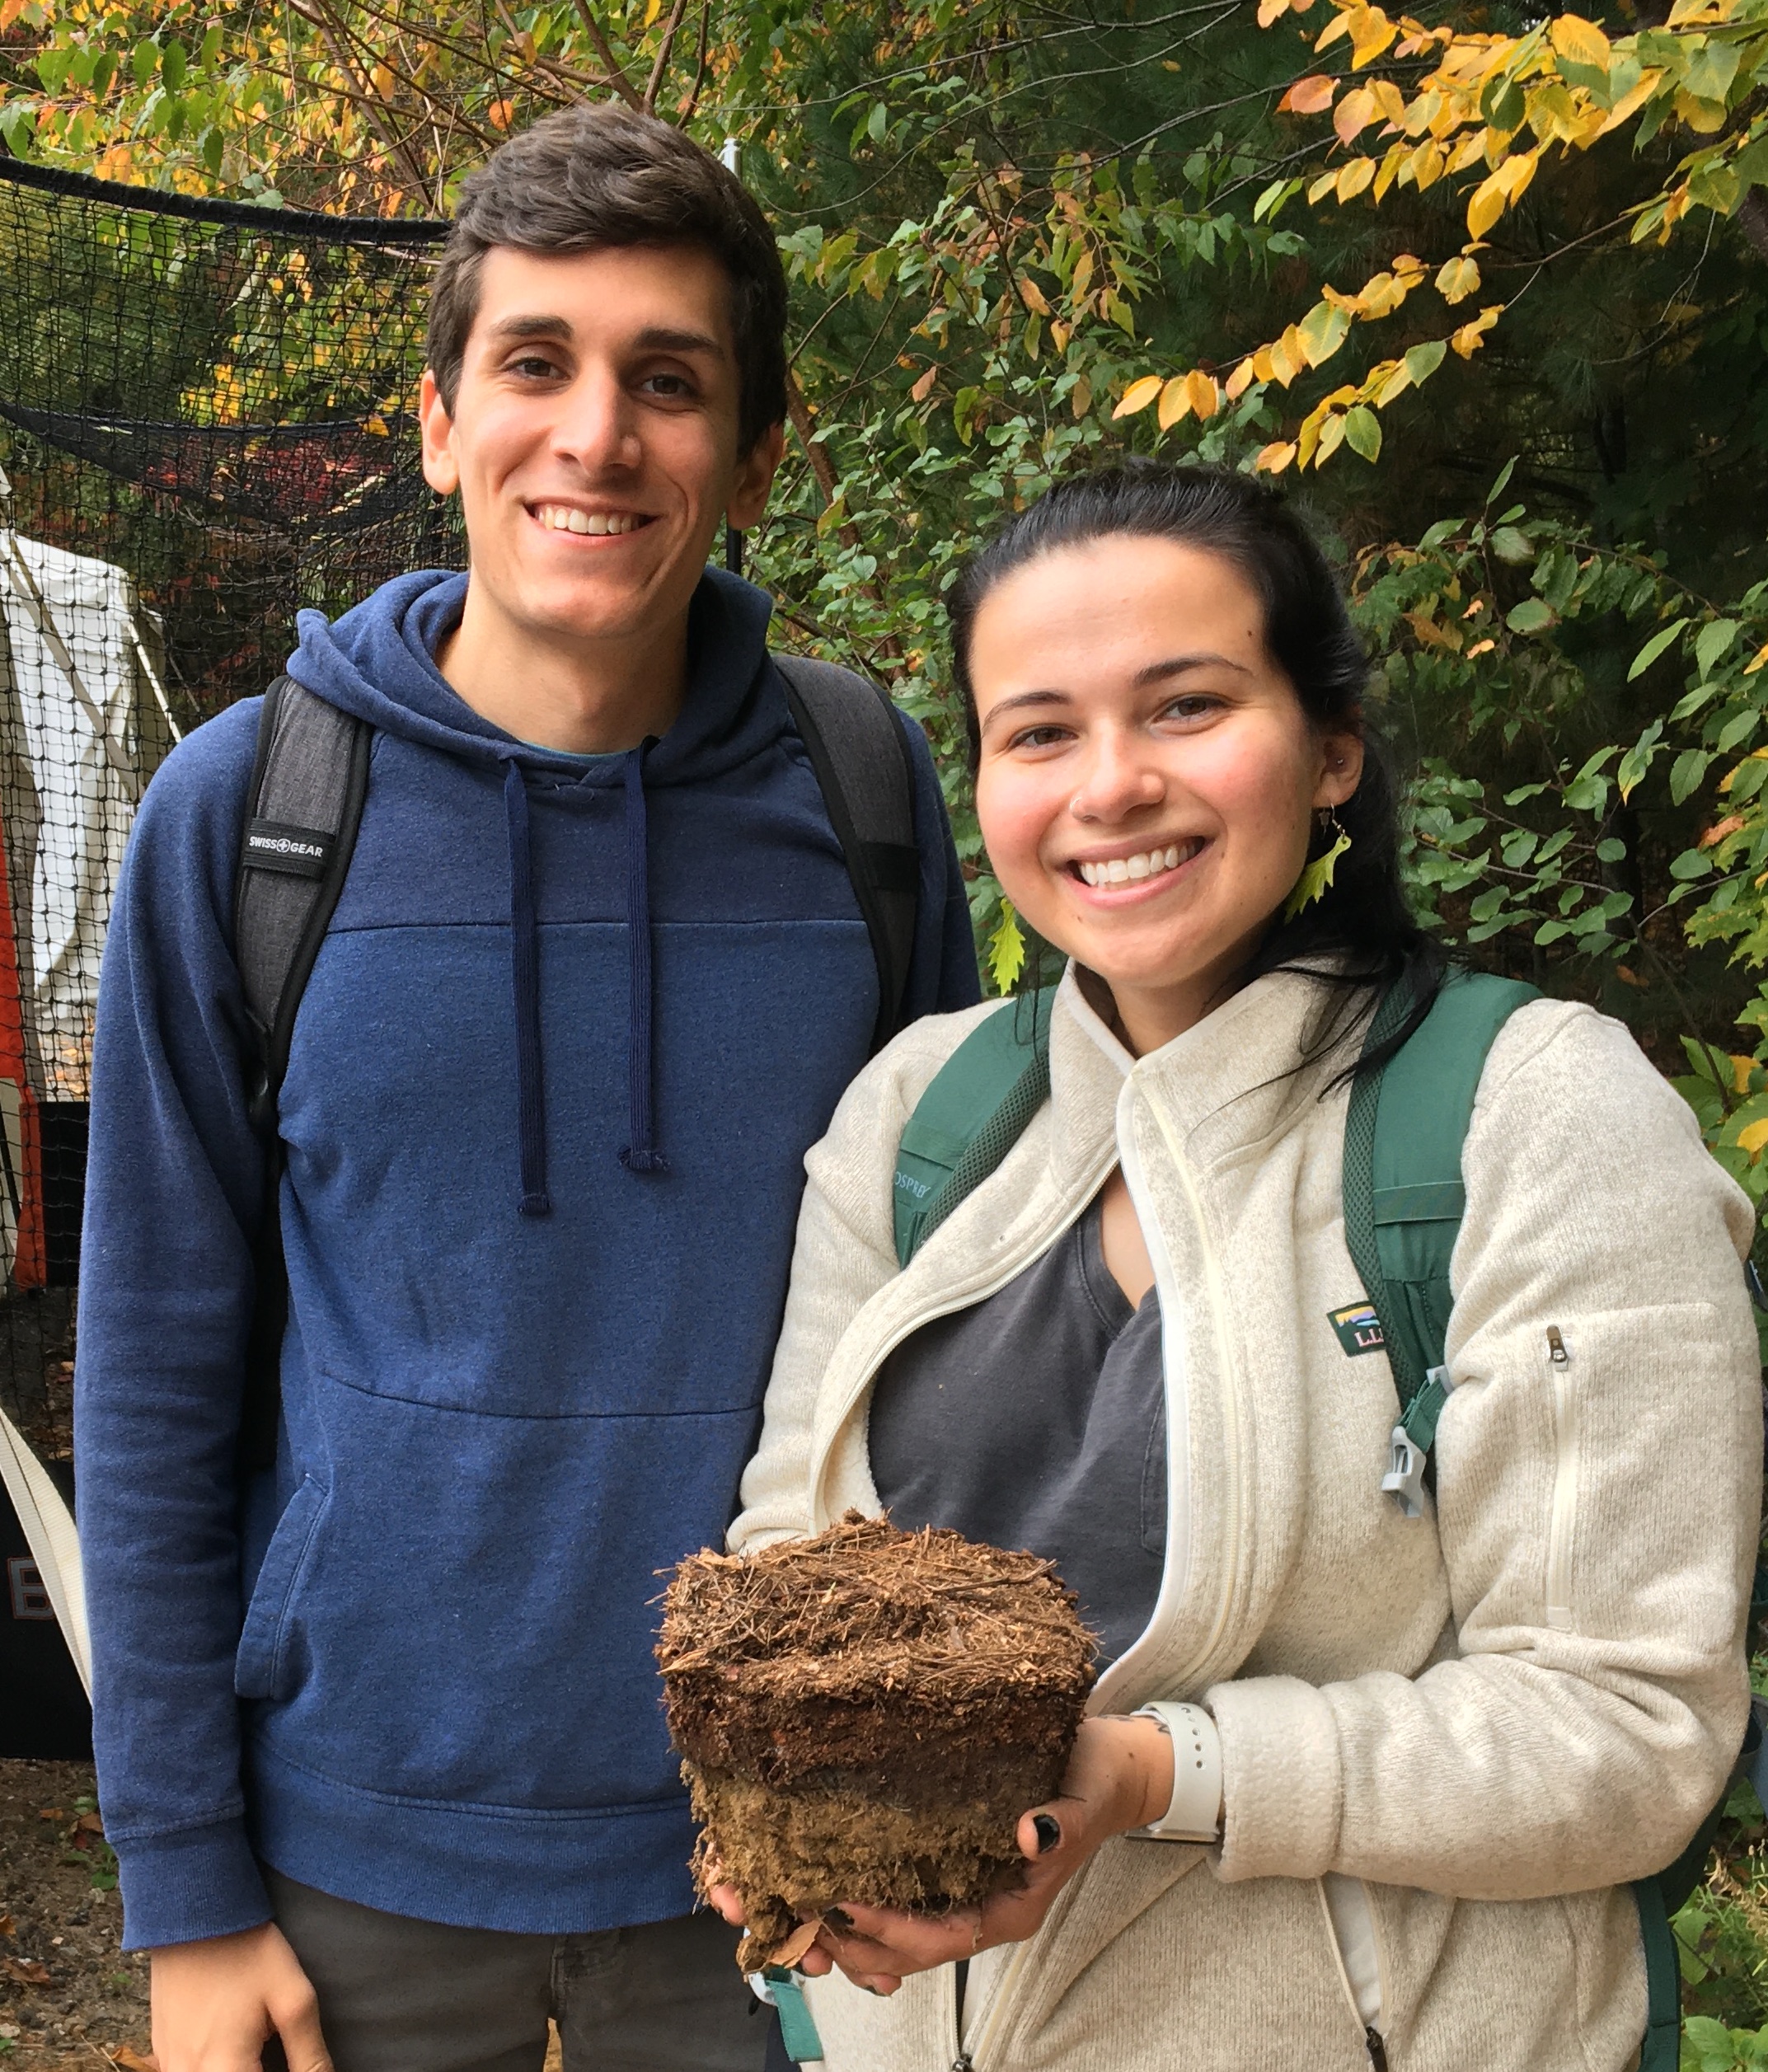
(574, 1025)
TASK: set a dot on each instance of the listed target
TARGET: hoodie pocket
(262, 1667)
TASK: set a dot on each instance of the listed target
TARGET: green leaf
(1692, 863)
(1686, 772)
(1653, 648)
(1609, 850)
(1504, 474)
(174, 60)
(1533, 615)
(1509, 545)
(1421, 363)
(1713, 643)
(1006, 951)
(1362, 432)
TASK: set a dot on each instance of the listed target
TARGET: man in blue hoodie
(380, 1747)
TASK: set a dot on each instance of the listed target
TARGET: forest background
(1487, 288)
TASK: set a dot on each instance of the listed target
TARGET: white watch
(1195, 1813)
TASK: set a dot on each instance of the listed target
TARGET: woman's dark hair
(1362, 924)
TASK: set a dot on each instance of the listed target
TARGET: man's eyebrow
(532, 327)
(658, 338)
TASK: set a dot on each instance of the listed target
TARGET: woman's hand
(217, 2004)
(1120, 1776)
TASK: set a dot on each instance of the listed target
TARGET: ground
(68, 1997)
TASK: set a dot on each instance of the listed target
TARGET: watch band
(1195, 1813)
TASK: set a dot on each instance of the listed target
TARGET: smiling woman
(1413, 1749)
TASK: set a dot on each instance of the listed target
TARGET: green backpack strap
(1404, 1196)
(972, 1113)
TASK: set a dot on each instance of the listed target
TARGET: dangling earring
(1316, 876)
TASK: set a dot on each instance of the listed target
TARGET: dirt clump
(865, 1715)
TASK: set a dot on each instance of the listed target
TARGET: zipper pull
(1377, 2048)
(962, 2063)
(1556, 1351)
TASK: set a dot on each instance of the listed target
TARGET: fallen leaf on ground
(90, 1824)
(132, 2060)
(26, 1969)
(8, 1926)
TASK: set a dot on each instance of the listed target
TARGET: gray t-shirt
(1038, 1418)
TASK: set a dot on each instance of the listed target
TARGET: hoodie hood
(378, 663)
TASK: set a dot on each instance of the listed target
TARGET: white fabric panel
(87, 721)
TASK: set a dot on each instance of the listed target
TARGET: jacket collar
(1233, 1079)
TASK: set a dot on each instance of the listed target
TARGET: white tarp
(84, 725)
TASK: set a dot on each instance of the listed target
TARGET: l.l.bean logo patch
(1359, 1328)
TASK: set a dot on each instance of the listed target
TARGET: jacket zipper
(976, 2060)
(1377, 2048)
(1560, 1530)
(1229, 1466)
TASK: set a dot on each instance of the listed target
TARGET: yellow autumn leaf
(1264, 363)
(1311, 97)
(1458, 279)
(1471, 337)
(1139, 395)
(1240, 380)
(1353, 114)
(1741, 1069)
(1760, 661)
(1202, 395)
(1269, 10)
(1390, 100)
(1175, 402)
(1354, 178)
(1035, 297)
(1580, 41)
(1274, 458)
(923, 387)
(1371, 33)
(1751, 1138)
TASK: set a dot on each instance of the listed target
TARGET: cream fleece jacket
(1480, 1723)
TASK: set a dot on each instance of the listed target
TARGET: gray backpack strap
(303, 809)
(854, 738)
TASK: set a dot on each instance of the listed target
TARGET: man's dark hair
(589, 178)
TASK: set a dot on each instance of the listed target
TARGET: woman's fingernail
(1049, 1830)
(839, 1917)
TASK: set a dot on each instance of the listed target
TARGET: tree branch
(669, 30)
(1752, 213)
(605, 50)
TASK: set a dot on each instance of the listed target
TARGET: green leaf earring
(1317, 876)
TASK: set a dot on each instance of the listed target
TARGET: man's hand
(217, 2004)
(1120, 1776)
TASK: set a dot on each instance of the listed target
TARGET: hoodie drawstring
(641, 1155)
(524, 961)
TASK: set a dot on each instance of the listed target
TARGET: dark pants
(400, 1995)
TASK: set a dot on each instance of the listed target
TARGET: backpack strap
(1403, 1193)
(973, 1112)
(303, 807)
(854, 738)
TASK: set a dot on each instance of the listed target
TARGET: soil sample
(865, 1715)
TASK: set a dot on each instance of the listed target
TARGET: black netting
(205, 424)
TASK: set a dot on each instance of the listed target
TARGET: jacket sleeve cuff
(185, 1887)
(1283, 1786)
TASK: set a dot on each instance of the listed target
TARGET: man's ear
(754, 478)
(441, 469)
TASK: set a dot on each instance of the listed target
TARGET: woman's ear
(1341, 768)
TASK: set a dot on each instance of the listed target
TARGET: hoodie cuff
(1282, 1784)
(186, 1886)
